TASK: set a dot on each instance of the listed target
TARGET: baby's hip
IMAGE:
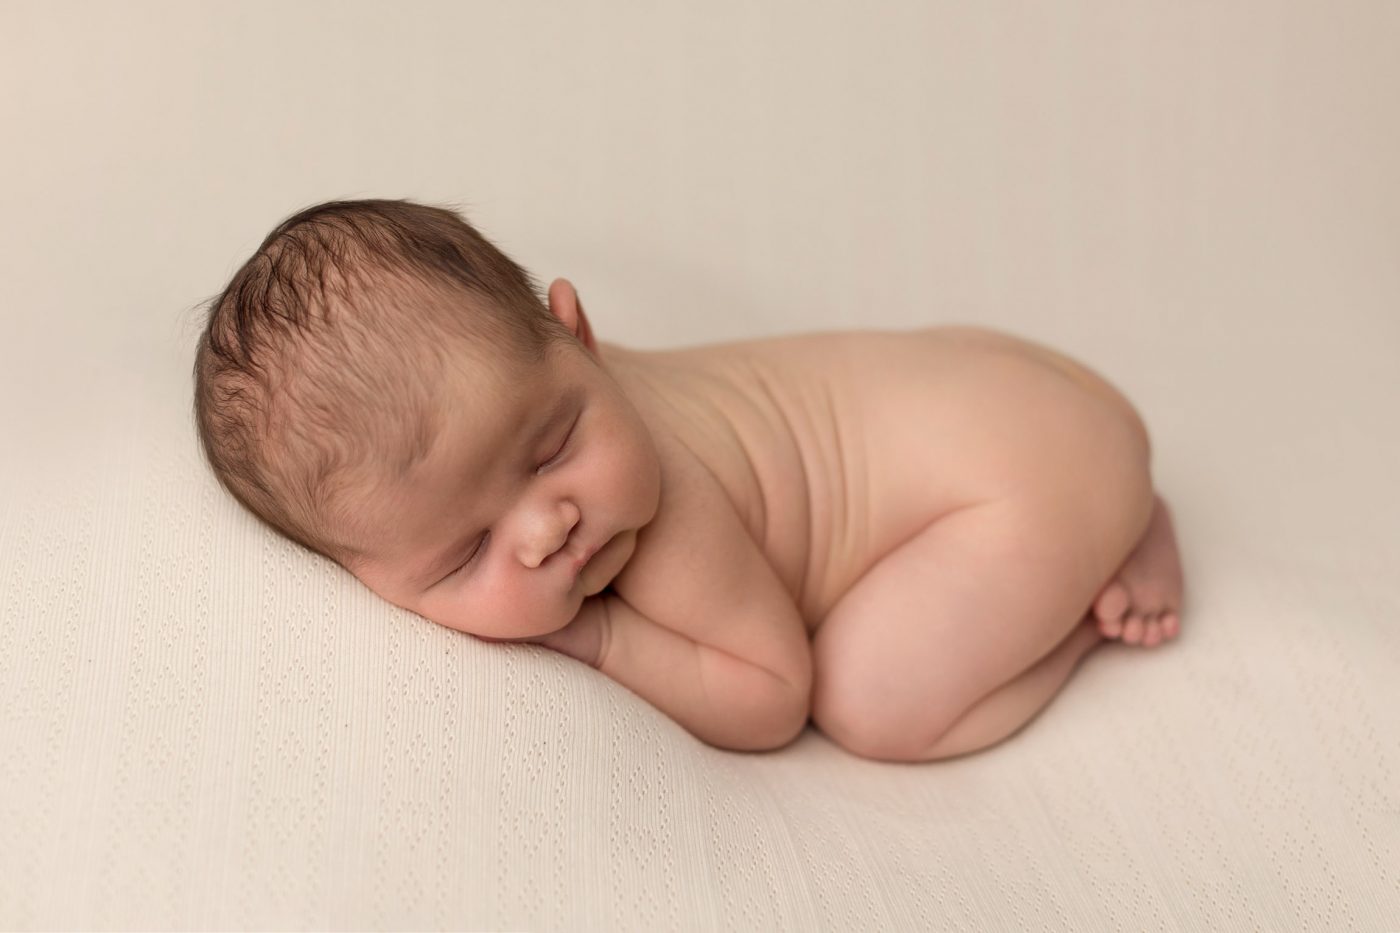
(992, 415)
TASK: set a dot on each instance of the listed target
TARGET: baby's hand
(582, 638)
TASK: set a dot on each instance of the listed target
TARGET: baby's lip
(587, 556)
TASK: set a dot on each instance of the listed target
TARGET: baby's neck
(631, 369)
(640, 378)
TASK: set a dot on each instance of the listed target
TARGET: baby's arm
(757, 709)
(718, 697)
(699, 624)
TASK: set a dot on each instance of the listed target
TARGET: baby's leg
(1149, 580)
(1006, 709)
(957, 637)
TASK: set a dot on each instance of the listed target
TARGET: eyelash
(562, 447)
(481, 543)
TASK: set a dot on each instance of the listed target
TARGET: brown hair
(320, 363)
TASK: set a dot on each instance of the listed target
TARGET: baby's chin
(607, 564)
(592, 585)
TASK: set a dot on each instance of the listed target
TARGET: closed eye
(480, 546)
(562, 447)
(481, 542)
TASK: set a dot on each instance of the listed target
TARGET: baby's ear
(585, 331)
(565, 304)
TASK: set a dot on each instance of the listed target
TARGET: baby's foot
(1141, 602)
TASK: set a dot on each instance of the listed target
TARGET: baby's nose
(550, 530)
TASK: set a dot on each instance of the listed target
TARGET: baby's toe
(1109, 608)
(1171, 625)
(1133, 629)
(1152, 636)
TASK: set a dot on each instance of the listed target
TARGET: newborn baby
(910, 538)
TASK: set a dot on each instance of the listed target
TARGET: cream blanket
(204, 727)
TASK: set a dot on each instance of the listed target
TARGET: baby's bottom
(955, 639)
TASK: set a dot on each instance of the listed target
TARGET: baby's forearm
(717, 697)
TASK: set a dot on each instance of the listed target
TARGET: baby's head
(381, 385)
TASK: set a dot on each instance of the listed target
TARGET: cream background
(207, 728)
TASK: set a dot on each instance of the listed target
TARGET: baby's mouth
(583, 561)
(588, 553)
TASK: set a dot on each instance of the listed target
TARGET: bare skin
(837, 410)
(920, 533)
(1140, 604)
(875, 390)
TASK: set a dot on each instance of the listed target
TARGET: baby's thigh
(966, 605)
(1060, 490)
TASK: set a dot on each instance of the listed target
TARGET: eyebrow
(435, 569)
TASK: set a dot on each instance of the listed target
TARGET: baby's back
(835, 447)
